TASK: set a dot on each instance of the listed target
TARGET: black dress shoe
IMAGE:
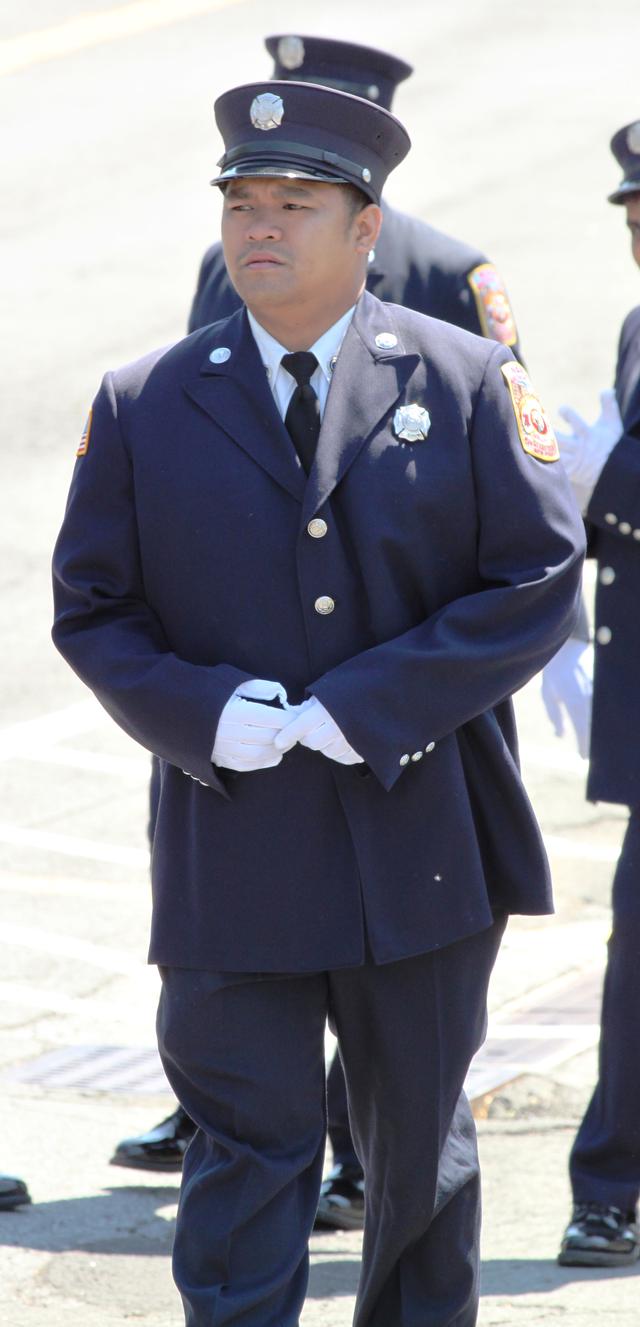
(13, 1193)
(341, 1204)
(600, 1236)
(162, 1148)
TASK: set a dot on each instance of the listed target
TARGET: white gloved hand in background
(246, 732)
(586, 448)
(567, 686)
(314, 728)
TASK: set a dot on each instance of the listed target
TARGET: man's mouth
(261, 260)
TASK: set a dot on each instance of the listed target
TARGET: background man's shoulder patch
(86, 433)
(492, 302)
(535, 431)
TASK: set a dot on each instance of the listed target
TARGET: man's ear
(368, 223)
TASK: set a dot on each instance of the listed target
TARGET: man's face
(632, 205)
(295, 243)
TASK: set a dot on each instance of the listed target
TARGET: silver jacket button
(624, 528)
(417, 755)
(603, 635)
(317, 528)
(324, 604)
(610, 518)
(607, 576)
(429, 748)
(404, 760)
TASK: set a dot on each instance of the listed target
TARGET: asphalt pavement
(108, 143)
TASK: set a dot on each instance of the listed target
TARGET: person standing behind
(603, 463)
(420, 267)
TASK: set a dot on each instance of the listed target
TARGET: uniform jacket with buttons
(185, 565)
(614, 539)
(414, 264)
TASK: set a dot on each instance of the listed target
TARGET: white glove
(567, 682)
(246, 729)
(586, 448)
(314, 728)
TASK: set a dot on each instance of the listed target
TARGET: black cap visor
(624, 191)
(291, 162)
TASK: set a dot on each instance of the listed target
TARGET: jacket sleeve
(103, 625)
(400, 697)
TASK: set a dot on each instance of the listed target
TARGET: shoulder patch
(86, 433)
(536, 434)
(492, 302)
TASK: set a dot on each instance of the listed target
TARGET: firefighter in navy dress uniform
(309, 553)
(603, 462)
(416, 265)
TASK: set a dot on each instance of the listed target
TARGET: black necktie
(302, 419)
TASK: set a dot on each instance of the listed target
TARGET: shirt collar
(325, 349)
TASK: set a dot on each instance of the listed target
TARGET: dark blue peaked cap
(303, 131)
(361, 70)
(625, 146)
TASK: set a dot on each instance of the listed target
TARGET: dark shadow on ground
(119, 1220)
(523, 1276)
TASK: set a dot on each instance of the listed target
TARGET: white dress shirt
(326, 350)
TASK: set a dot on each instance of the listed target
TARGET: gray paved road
(107, 146)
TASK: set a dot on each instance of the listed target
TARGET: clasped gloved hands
(253, 735)
(586, 448)
(314, 728)
(567, 687)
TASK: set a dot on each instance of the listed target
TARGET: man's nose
(263, 226)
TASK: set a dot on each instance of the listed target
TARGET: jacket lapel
(236, 395)
(367, 382)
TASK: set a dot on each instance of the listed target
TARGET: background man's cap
(360, 70)
(625, 146)
(306, 132)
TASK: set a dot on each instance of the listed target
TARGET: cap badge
(220, 355)
(267, 111)
(411, 423)
(633, 138)
(386, 340)
(291, 52)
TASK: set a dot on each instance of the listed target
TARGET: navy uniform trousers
(605, 1159)
(252, 1172)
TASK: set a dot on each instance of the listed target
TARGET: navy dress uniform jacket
(185, 566)
(414, 265)
(613, 519)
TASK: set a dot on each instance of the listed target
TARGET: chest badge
(411, 423)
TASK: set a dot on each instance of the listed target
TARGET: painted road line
(30, 734)
(69, 846)
(573, 849)
(553, 757)
(87, 30)
(46, 1002)
(59, 945)
(135, 767)
(543, 1031)
(58, 887)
